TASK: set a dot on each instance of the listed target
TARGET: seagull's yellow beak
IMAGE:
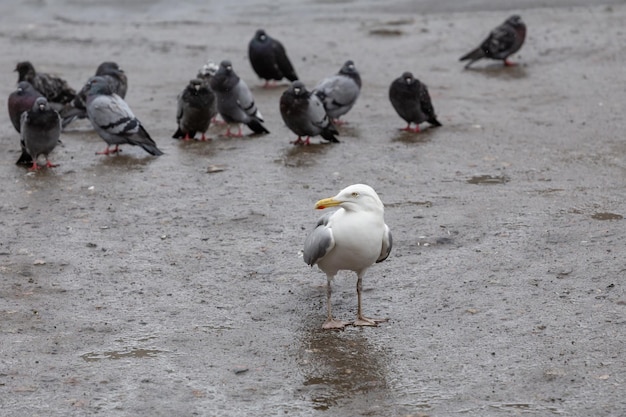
(327, 202)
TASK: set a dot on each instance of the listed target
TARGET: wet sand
(134, 285)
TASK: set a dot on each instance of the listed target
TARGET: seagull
(353, 238)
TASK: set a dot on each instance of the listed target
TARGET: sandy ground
(142, 286)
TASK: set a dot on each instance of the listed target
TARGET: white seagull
(352, 238)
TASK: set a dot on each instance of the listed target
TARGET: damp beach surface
(134, 285)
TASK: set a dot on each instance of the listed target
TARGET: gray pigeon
(501, 43)
(113, 120)
(55, 89)
(269, 59)
(304, 114)
(196, 108)
(339, 92)
(235, 102)
(116, 77)
(40, 132)
(410, 98)
(21, 100)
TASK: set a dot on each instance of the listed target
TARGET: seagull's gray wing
(319, 242)
(385, 250)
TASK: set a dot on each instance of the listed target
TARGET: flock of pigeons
(43, 104)
(355, 236)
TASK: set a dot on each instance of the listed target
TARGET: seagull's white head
(356, 197)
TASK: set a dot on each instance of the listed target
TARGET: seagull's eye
(355, 194)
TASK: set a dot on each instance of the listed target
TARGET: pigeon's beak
(197, 87)
(296, 90)
(327, 202)
(42, 107)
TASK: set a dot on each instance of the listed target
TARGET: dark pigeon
(501, 43)
(21, 100)
(304, 114)
(235, 102)
(410, 98)
(339, 92)
(40, 132)
(196, 108)
(114, 75)
(269, 59)
(113, 120)
(55, 89)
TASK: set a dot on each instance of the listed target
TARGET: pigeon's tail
(69, 114)
(25, 158)
(257, 126)
(329, 135)
(473, 56)
(434, 122)
(144, 140)
(151, 149)
(178, 134)
(291, 76)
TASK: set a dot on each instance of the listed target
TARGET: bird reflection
(343, 368)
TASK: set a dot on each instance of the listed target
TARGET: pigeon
(501, 43)
(234, 100)
(113, 120)
(269, 59)
(339, 92)
(40, 132)
(116, 77)
(21, 100)
(410, 98)
(55, 89)
(353, 238)
(196, 108)
(304, 114)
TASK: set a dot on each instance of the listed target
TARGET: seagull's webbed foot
(508, 63)
(366, 321)
(331, 324)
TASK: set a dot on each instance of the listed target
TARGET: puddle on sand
(606, 216)
(121, 354)
(488, 179)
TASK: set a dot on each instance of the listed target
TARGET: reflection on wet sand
(497, 70)
(343, 368)
(304, 155)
